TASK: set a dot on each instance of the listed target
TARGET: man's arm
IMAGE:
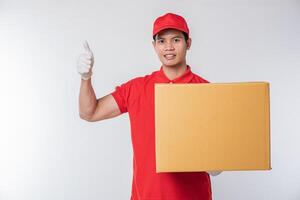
(92, 109)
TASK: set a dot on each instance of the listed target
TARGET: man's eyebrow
(176, 36)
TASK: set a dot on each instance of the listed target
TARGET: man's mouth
(169, 56)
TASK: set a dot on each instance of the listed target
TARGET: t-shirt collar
(184, 78)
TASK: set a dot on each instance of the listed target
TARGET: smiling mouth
(170, 56)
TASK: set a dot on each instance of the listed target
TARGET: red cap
(170, 20)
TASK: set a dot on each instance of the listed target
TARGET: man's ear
(188, 43)
(153, 43)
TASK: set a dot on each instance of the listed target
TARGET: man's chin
(171, 65)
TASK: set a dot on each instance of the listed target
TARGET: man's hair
(186, 37)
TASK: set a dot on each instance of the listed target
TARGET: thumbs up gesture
(85, 62)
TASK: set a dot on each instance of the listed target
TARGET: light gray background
(47, 152)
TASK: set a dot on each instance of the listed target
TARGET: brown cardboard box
(212, 126)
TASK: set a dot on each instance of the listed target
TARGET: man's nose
(169, 46)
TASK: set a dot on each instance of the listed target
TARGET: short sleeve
(121, 95)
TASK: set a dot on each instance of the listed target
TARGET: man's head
(171, 39)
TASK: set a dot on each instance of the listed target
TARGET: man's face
(171, 47)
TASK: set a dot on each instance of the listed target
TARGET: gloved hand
(85, 62)
(214, 173)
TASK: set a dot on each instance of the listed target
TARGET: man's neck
(173, 72)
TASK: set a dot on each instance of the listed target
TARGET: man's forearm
(87, 99)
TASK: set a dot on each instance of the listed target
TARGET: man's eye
(176, 40)
(160, 41)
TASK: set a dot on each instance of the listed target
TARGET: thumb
(86, 46)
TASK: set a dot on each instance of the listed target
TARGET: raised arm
(90, 108)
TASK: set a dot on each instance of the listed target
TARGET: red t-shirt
(136, 97)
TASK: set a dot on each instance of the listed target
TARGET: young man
(136, 96)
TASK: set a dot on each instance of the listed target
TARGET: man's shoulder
(199, 79)
(136, 84)
(142, 79)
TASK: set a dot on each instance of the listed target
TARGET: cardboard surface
(212, 126)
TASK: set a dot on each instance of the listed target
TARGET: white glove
(85, 62)
(214, 173)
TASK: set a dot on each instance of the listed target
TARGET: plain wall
(47, 152)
